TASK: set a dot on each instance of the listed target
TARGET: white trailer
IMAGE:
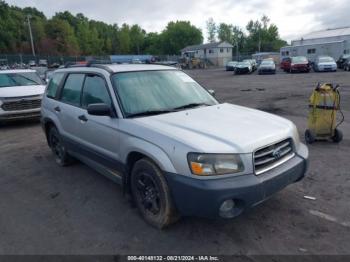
(334, 49)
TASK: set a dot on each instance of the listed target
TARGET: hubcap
(148, 193)
(56, 147)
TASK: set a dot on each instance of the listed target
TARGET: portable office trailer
(330, 42)
(312, 51)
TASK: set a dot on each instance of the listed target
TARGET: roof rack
(92, 63)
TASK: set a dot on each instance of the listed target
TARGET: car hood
(267, 66)
(242, 66)
(223, 128)
(19, 91)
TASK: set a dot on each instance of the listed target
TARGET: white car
(325, 63)
(21, 93)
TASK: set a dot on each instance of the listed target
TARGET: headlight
(214, 164)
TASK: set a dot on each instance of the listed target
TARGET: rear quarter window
(53, 85)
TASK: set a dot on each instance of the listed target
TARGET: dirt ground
(46, 209)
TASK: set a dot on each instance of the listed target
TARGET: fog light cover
(227, 208)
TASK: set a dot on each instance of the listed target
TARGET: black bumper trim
(202, 198)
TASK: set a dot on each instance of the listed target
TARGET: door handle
(57, 109)
(82, 118)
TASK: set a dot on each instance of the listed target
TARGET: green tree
(178, 35)
(263, 36)
(211, 30)
(137, 38)
(124, 39)
(62, 33)
(225, 33)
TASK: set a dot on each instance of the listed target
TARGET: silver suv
(168, 142)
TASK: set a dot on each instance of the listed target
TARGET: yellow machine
(322, 122)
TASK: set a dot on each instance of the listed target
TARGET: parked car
(244, 67)
(341, 60)
(48, 75)
(325, 63)
(285, 63)
(253, 63)
(168, 141)
(297, 64)
(230, 66)
(346, 65)
(20, 94)
(31, 63)
(267, 67)
(43, 62)
(41, 71)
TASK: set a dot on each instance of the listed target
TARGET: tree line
(260, 35)
(68, 34)
(74, 35)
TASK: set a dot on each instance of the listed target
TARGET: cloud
(293, 18)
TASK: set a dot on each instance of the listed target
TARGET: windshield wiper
(26, 78)
(150, 113)
(191, 105)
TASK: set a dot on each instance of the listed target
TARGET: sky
(294, 18)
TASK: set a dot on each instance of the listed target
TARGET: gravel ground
(46, 209)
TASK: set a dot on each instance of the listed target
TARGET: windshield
(19, 79)
(299, 59)
(267, 62)
(244, 64)
(150, 91)
(326, 59)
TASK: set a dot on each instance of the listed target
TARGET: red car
(297, 64)
(285, 63)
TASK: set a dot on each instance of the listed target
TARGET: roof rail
(93, 63)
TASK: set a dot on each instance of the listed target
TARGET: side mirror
(99, 110)
(212, 92)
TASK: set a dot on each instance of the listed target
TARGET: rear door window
(72, 89)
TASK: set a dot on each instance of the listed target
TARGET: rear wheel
(152, 195)
(309, 136)
(338, 136)
(61, 156)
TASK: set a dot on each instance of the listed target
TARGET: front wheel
(309, 136)
(152, 195)
(338, 136)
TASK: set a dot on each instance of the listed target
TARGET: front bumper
(19, 115)
(203, 198)
(267, 71)
(327, 69)
(241, 70)
(300, 69)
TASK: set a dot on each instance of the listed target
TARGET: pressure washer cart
(322, 122)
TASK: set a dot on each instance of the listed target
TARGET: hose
(340, 111)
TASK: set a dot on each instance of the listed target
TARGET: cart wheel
(309, 136)
(338, 136)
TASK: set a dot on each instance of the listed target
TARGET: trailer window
(311, 51)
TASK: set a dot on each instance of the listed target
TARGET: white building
(217, 53)
(330, 42)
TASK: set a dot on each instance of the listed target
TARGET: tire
(62, 158)
(309, 136)
(151, 194)
(338, 136)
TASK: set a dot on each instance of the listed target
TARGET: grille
(271, 156)
(21, 104)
